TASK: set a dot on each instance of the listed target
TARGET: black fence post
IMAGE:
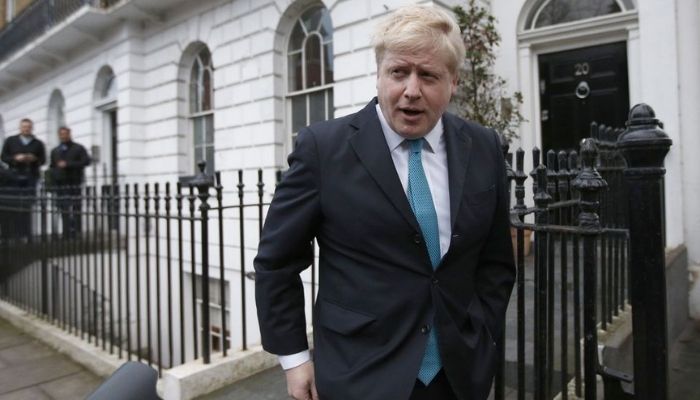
(241, 233)
(644, 145)
(589, 183)
(542, 200)
(203, 182)
(44, 257)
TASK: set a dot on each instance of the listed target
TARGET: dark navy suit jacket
(378, 294)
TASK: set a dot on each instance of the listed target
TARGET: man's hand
(300, 382)
(61, 164)
(25, 157)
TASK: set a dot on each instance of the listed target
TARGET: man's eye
(397, 72)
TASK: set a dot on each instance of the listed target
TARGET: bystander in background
(24, 154)
(66, 171)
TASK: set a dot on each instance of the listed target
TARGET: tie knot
(416, 144)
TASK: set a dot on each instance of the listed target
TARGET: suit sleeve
(285, 250)
(495, 273)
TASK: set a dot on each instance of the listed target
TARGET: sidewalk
(684, 372)
(266, 385)
(32, 370)
(684, 360)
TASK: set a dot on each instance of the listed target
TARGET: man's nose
(413, 87)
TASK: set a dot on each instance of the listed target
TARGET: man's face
(25, 128)
(64, 135)
(414, 91)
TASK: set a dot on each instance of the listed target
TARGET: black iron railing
(37, 18)
(142, 270)
(580, 278)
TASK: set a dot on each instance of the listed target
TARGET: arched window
(310, 69)
(554, 12)
(201, 108)
(56, 117)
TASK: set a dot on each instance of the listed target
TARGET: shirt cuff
(294, 360)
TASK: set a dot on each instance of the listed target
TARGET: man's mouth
(411, 112)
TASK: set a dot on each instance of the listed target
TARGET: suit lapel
(371, 148)
(458, 145)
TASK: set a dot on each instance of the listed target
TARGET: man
(409, 207)
(24, 154)
(68, 161)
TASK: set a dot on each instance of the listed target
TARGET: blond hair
(417, 28)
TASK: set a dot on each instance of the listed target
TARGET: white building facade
(153, 86)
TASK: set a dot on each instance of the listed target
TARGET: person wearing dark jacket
(409, 206)
(25, 155)
(68, 161)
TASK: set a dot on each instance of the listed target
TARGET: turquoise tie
(422, 205)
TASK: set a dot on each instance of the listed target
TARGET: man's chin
(412, 131)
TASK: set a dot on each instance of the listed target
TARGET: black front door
(578, 87)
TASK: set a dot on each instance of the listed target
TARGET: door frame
(619, 27)
(105, 111)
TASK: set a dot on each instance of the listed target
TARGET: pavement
(684, 361)
(30, 370)
(266, 385)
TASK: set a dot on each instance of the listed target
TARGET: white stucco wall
(659, 57)
(688, 31)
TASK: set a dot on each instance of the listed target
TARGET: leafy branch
(481, 95)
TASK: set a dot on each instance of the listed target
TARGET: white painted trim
(582, 28)
(106, 104)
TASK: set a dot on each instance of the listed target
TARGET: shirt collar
(395, 140)
(26, 139)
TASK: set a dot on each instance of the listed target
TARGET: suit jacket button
(425, 329)
(435, 281)
(417, 238)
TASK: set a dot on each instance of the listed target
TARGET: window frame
(215, 330)
(306, 92)
(198, 113)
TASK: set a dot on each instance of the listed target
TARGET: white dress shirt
(434, 159)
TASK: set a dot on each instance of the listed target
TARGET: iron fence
(143, 271)
(159, 273)
(580, 279)
(562, 273)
